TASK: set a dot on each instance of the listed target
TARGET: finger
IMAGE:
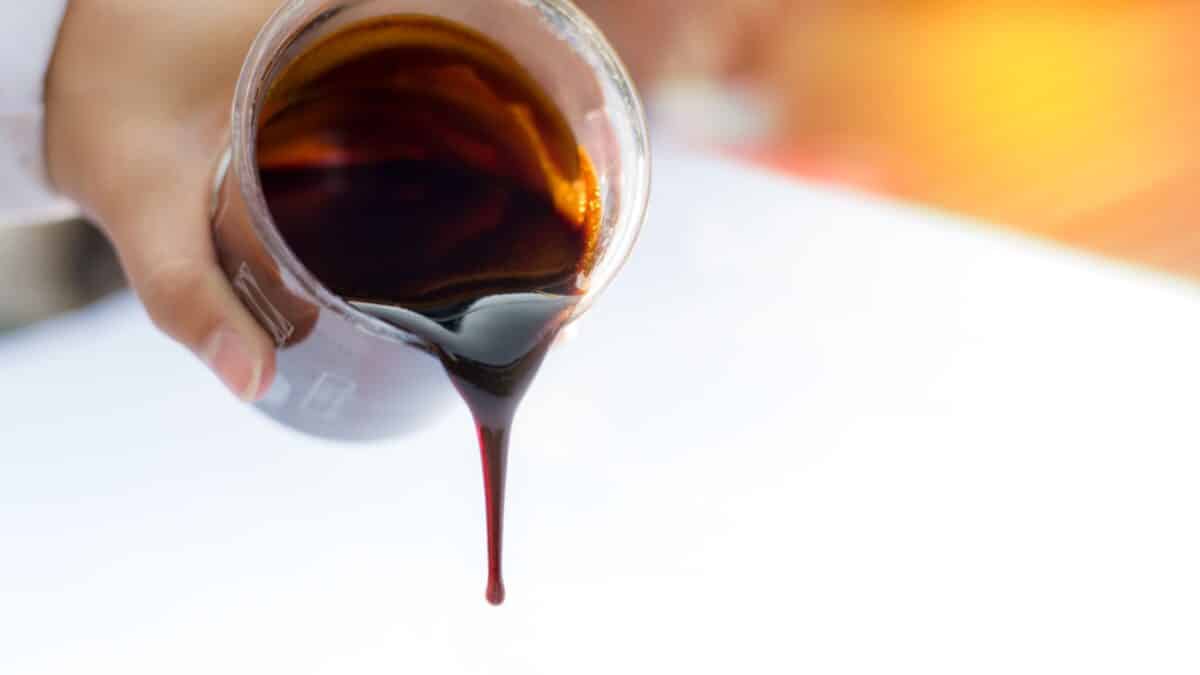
(165, 246)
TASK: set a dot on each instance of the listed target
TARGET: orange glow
(1075, 121)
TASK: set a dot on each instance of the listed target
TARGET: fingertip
(230, 357)
(266, 378)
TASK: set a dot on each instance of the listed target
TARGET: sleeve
(28, 32)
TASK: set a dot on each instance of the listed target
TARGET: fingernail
(226, 354)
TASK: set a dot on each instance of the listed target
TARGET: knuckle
(173, 293)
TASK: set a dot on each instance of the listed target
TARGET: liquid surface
(420, 173)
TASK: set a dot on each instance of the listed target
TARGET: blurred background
(1076, 122)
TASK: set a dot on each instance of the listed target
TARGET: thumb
(166, 249)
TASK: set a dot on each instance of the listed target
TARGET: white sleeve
(28, 32)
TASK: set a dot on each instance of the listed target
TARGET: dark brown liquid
(420, 173)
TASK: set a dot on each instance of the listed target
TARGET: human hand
(137, 106)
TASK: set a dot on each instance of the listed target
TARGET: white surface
(804, 433)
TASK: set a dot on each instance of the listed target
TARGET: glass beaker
(342, 373)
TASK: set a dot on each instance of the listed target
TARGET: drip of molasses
(420, 172)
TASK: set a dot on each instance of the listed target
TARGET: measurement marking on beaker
(328, 395)
(271, 318)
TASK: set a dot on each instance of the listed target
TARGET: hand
(137, 106)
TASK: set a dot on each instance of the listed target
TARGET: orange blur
(1074, 121)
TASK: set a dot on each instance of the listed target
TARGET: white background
(805, 432)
